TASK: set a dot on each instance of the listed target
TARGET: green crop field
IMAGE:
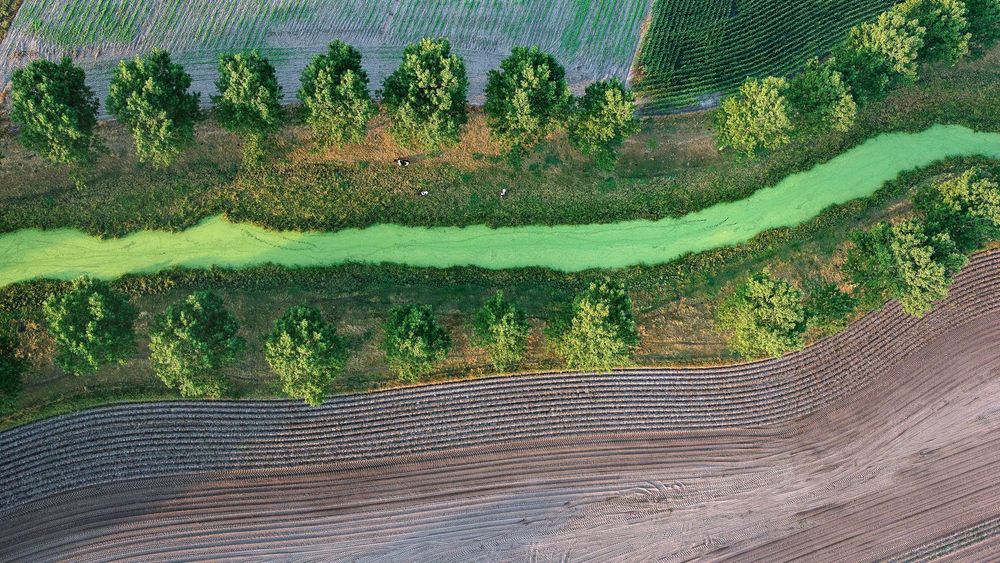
(592, 38)
(696, 50)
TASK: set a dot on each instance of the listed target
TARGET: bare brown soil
(882, 442)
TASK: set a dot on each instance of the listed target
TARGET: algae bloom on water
(858, 173)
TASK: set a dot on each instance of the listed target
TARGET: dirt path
(897, 454)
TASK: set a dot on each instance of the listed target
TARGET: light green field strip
(67, 253)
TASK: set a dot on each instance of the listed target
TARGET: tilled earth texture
(880, 443)
(593, 39)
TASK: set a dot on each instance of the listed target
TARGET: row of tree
(425, 98)
(913, 261)
(195, 339)
(875, 57)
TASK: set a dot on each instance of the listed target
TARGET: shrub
(12, 368)
(756, 116)
(602, 119)
(967, 207)
(249, 99)
(92, 325)
(56, 110)
(764, 316)
(414, 341)
(149, 95)
(502, 329)
(426, 95)
(306, 353)
(946, 35)
(819, 99)
(828, 308)
(526, 97)
(902, 262)
(335, 97)
(601, 333)
(191, 342)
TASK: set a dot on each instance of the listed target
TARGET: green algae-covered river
(858, 173)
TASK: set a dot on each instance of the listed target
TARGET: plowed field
(881, 442)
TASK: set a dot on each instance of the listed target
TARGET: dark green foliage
(870, 265)
(764, 316)
(414, 341)
(56, 110)
(335, 97)
(191, 343)
(827, 307)
(755, 117)
(526, 97)
(966, 207)
(149, 95)
(903, 262)
(869, 74)
(502, 329)
(306, 353)
(249, 99)
(12, 368)
(92, 325)
(946, 35)
(984, 22)
(600, 334)
(426, 95)
(820, 100)
(879, 55)
(602, 119)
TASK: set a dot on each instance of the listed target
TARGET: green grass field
(695, 50)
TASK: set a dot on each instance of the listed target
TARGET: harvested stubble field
(694, 51)
(593, 39)
(883, 441)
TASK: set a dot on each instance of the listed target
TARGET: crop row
(949, 544)
(695, 51)
(123, 442)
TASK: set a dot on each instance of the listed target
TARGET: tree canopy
(149, 95)
(764, 316)
(756, 116)
(877, 55)
(967, 207)
(946, 30)
(191, 343)
(600, 333)
(820, 100)
(426, 95)
(335, 97)
(414, 341)
(602, 119)
(902, 262)
(249, 99)
(306, 353)
(984, 22)
(56, 110)
(12, 368)
(502, 329)
(92, 324)
(526, 97)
